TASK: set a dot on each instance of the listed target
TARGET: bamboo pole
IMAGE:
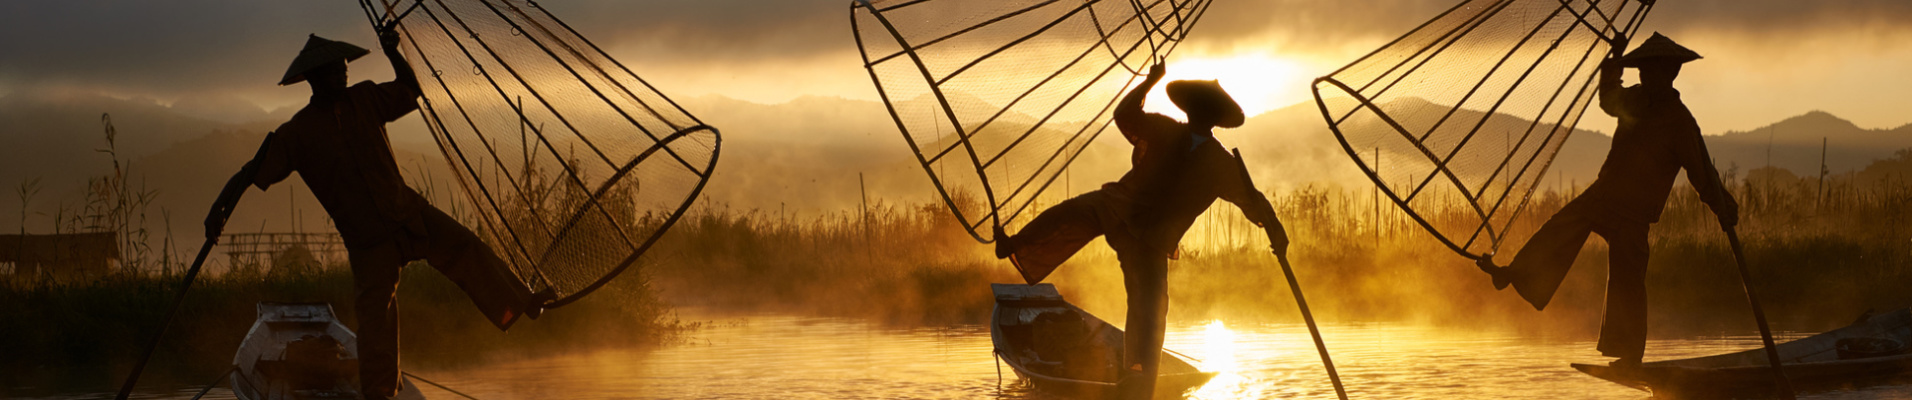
(178, 298)
(1759, 315)
(1314, 331)
(1294, 285)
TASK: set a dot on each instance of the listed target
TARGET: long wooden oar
(1759, 314)
(1294, 285)
(1312, 329)
(178, 298)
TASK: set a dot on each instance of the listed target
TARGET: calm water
(787, 357)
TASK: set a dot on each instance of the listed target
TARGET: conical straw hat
(320, 51)
(1657, 48)
(1206, 97)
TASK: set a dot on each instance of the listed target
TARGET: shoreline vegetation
(1823, 252)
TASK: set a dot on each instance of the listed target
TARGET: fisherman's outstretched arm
(1254, 205)
(1705, 177)
(1128, 115)
(267, 167)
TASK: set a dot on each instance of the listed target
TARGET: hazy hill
(1291, 146)
(55, 136)
(804, 156)
(1795, 144)
(800, 157)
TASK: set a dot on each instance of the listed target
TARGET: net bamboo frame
(997, 98)
(1427, 106)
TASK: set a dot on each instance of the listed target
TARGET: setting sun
(1259, 81)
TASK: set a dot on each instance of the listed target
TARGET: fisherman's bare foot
(1500, 275)
(538, 302)
(1004, 245)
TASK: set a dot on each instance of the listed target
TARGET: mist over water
(781, 356)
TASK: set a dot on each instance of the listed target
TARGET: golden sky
(1765, 59)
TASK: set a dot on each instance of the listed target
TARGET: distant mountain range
(805, 156)
(1795, 144)
(179, 151)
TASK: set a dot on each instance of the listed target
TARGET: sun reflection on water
(1218, 349)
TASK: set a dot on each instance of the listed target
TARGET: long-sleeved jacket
(1207, 173)
(1177, 174)
(1657, 137)
(339, 148)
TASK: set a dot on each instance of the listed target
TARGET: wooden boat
(1060, 348)
(300, 351)
(1871, 350)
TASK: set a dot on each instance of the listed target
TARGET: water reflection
(784, 357)
(788, 357)
(1217, 353)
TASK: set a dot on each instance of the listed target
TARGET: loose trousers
(1062, 230)
(1540, 266)
(455, 252)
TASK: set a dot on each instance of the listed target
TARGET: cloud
(1316, 26)
(169, 47)
(184, 48)
(172, 49)
(1312, 26)
(715, 30)
(1797, 19)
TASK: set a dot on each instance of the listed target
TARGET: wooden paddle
(1759, 314)
(1281, 254)
(1312, 329)
(178, 298)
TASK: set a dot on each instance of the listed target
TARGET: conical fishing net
(573, 165)
(1458, 120)
(997, 97)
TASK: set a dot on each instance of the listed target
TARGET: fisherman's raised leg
(1058, 233)
(461, 256)
(375, 272)
(1623, 327)
(1539, 267)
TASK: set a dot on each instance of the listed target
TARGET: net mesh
(998, 97)
(1457, 120)
(573, 164)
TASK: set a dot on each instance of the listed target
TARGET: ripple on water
(786, 358)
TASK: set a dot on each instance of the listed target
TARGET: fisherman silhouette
(1177, 171)
(1656, 138)
(338, 145)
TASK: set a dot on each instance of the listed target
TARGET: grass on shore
(1820, 254)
